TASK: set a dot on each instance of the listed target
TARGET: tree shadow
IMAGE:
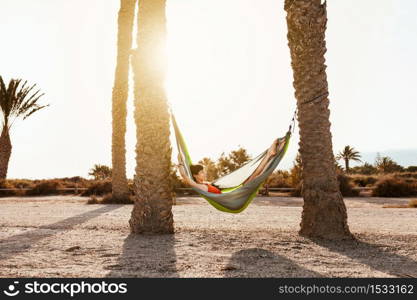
(19, 243)
(146, 256)
(373, 255)
(258, 262)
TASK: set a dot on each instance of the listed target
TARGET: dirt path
(62, 236)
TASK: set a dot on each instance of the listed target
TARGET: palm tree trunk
(324, 212)
(347, 165)
(120, 189)
(153, 200)
(5, 152)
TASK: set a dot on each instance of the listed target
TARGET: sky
(229, 79)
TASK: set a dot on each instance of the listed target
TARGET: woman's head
(198, 173)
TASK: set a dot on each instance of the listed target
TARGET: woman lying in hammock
(199, 173)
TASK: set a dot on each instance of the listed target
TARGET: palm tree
(120, 189)
(349, 153)
(153, 199)
(16, 100)
(100, 172)
(386, 164)
(324, 212)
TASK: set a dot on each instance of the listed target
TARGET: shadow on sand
(258, 262)
(19, 243)
(374, 256)
(146, 256)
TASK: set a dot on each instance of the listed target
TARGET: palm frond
(33, 110)
(18, 99)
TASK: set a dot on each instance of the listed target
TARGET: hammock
(236, 194)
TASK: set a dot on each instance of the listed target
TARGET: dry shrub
(406, 175)
(14, 184)
(52, 186)
(21, 183)
(109, 199)
(45, 187)
(296, 192)
(99, 187)
(74, 182)
(75, 179)
(389, 186)
(412, 203)
(93, 200)
(346, 186)
(279, 179)
(364, 180)
(6, 184)
(102, 187)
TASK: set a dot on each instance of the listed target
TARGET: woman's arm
(189, 181)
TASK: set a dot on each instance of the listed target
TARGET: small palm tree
(349, 153)
(16, 100)
(387, 165)
(100, 172)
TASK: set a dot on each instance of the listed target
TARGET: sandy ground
(61, 236)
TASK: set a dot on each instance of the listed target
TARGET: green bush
(394, 187)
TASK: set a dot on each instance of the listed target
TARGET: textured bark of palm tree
(5, 152)
(152, 212)
(324, 212)
(120, 187)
